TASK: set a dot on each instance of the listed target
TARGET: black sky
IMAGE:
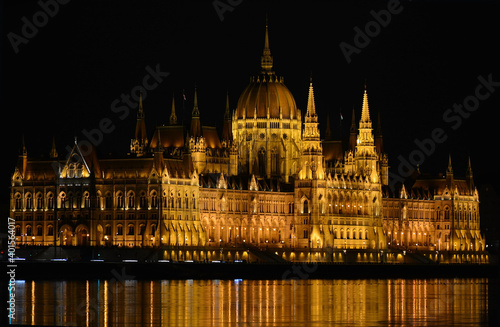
(427, 58)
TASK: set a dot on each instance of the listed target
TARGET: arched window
(86, 200)
(131, 200)
(50, 201)
(305, 206)
(119, 200)
(143, 201)
(154, 200)
(28, 230)
(18, 204)
(39, 230)
(50, 230)
(39, 201)
(131, 229)
(29, 201)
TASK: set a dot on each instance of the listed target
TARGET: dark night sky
(427, 58)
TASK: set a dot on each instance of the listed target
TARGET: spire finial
(196, 111)
(311, 108)
(365, 113)
(173, 116)
(450, 168)
(266, 60)
(53, 152)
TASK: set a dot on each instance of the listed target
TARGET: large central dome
(266, 97)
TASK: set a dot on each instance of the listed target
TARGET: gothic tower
(139, 143)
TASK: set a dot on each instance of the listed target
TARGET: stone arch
(65, 235)
(82, 235)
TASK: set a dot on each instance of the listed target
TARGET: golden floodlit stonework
(269, 182)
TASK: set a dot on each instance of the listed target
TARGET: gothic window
(107, 230)
(50, 230)
(131, 229)
(86, 200)
(119, 230)
(39, 201)
(305, 207)
(39, 230)
(18, 230)
(18, 204)
(29, 201)
(50, 201)
(131, 200)
(446, 213)
(154, 200)
(306, 233)
(142, 229)
(28, 230)
(119, 200)
(143, 201)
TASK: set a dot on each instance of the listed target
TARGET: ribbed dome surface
(263, 94)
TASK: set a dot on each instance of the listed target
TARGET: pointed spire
(195, 130)
(469, 167)
(266, 60)
(353, 131)
(469, 178)
(196, 111)
(140, 112)
(53, 152)
(227, 133)
(140, 141)
(449, 172)
(311, 107)
(173, 116)
(23, 150)
(450, 168)
(365, 112)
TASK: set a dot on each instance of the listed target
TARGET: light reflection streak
(212, 303)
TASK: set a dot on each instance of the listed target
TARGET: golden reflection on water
(251, 302)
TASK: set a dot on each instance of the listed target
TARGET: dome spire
(266, 60)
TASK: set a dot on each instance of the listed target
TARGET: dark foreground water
(367, 302)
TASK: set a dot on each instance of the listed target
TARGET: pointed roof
(140, 127)
(449, 170)
(266, 60)
(353, 121)
(173, 116)
(195, 129)
(311, 107)
(53, 151)
(196, 111)
(365, 112)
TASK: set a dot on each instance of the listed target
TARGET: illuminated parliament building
(269, 182)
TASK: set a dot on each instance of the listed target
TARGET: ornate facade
(269, 181)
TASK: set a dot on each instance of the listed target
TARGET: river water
(362, 302)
